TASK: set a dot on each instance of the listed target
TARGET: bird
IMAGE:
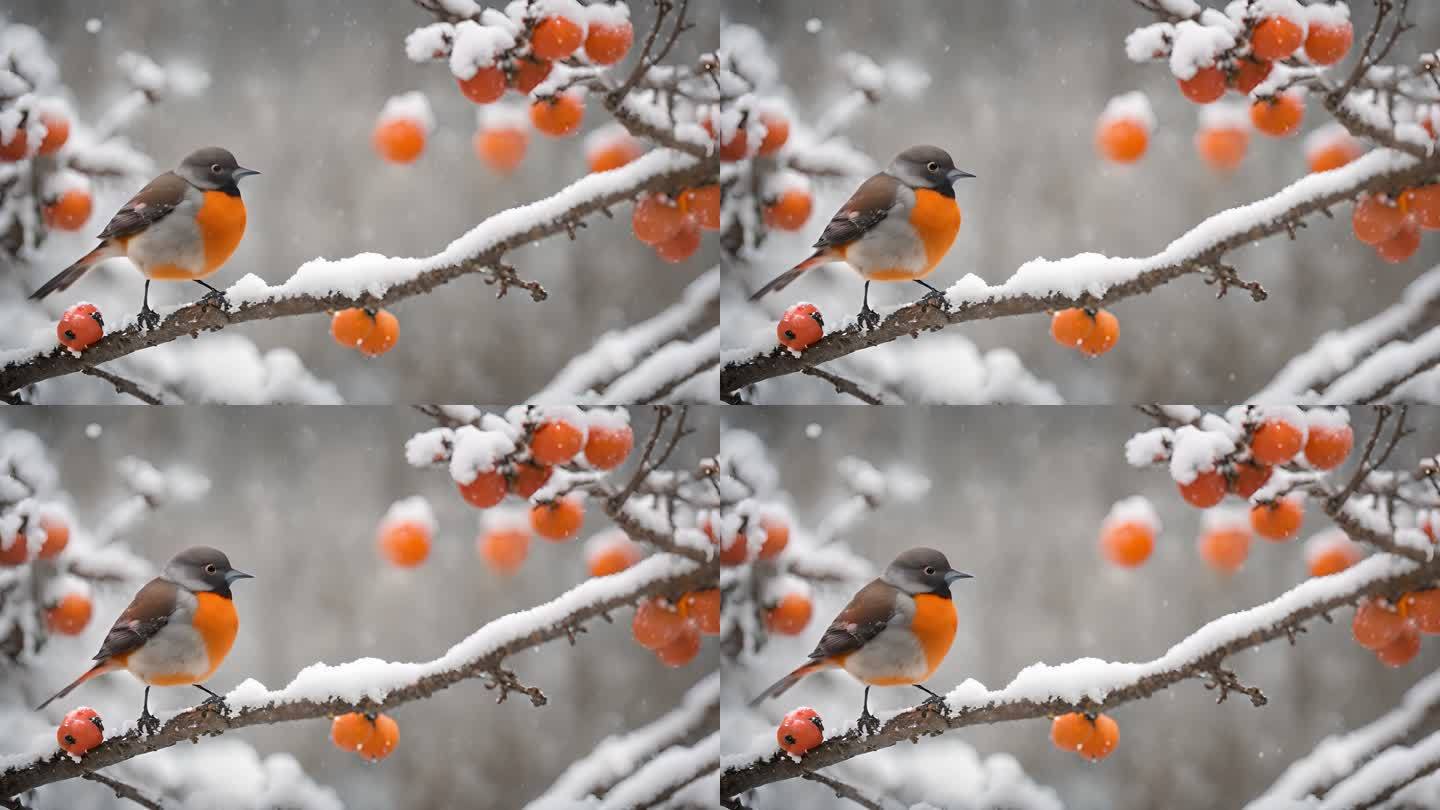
(182, 226)
(176, 631)
(896, 227)
(894, 632)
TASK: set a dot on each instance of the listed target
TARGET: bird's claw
(868, 318)
(217, 299)
(936, 298)
(216, 703)
(148, 318)
(867, 724)
(148, 724)
(935, 703)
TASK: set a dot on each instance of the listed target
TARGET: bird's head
(922, 570)
(203, 569)
(928, 167)
(212, 169)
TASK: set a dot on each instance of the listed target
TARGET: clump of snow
(1225, 114)
(476, 451)
(1148, 447)
(1135, 510)
(477, 46)
(1131, 106)
(429, 42)
(412, 106)
(1196, 451)
(1225, 518)
(1150, 42)
(414, 509)
(1197, 46)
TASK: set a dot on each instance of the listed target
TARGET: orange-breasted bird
(176, 631)
(180, 227)
(896, 227)
(894, 632)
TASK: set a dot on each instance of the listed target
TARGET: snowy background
(1017, 496)
(296, 88)
(295, 497)
(1015, 93)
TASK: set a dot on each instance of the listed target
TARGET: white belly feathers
(174, 240)
(177, 649)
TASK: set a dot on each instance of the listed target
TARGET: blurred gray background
(1017, 498)
(295, 497)
(296, 87)
(1016, 89)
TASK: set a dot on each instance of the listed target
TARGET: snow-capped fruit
(1277, 520)
(486, 86)
(382, 740)
(607, 447)
(1402, 245)
(789, 211)
(1334, 154)
(702, 608)
(682, 245)
(350, 327)
(1070, 327)
(57, 537)
(57, 132)
(656, 219)
(504, 550)
(1403, 649)
(790, 615)
(1206, 490)
(1327, 43)
(1122, 140)
(556, 37)
(1104, 336)
(614, 153)
(80, 731)
(1280, 116)
(14, 149)
(556, 441)
(1376, 220)
(70, 615)
(399, 140)
(777, 132)
(80, 327)
(558, 520)
(501, 148)
(656, 624)
(683, 649)
(1423, 205)
(69, 211)
(607, 42)
(1071, 731)
(703, 204)
(735, 550)
(1276, 441)
(17, 553)
(1225, 549)
(559, 115)
(800, 731)
(800, 327)
(382, 338)
(529, 73)
(1207, 85)
(1327, 447)
(529, 478)
(1127, 544)
(1222, 148)
(612, 556)
(1376, 624)
(777, 537)
(1102, 743)
(485, 490)
(1423, 608)
(1333, 559)
(1249, 73)
(736, 148)
(1276, 37)
(1249, 477)
(350, 731)
(405, 543)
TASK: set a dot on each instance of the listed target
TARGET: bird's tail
(72, 274)
(779, 687)
(99, 669)
(784, 280)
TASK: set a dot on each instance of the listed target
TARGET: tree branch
(843, 791)
(844, 386)
(123, 791)
(124, 385)
(1385, 775)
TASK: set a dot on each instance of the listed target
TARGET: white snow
(429, 42)
(1196, 450)
(412, 106)
(1137, 510)
(476, 451)
(1197, 46)
(1131, 106)
(414, 509)
(476, 46)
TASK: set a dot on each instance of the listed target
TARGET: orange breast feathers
(937, 220)
(934, 625)
(217, 622)
(222, 222)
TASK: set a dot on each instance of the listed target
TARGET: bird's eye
(210, 569)
(934, 167)
(930, 571)
(215, 167)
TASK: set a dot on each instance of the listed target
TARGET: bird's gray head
(927, 167)
(922, 570)
(212, 169)
(202, 569)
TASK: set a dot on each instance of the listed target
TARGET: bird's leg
(148, 318)
(936, 297)
(934, 701)
(216, 701)
(148, 723)
(868, 723)
(215, 297)
(868, 318)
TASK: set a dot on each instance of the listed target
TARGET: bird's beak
(952, 575)
(241, 171)
(232, 575)
(956, 175)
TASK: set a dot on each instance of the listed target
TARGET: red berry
(800, 731)
(80, 327)
(800, 326)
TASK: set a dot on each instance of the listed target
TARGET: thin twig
(124, 385)
(842, 790)
(123, 791)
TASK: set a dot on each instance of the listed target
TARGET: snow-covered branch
(371, 685)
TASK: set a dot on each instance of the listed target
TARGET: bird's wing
(148, 612)
(151, 205)
(870, 204)
(867, 614)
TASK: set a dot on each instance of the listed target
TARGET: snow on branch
(371, 280)
(665, 776)
(1092, 685)
(1385, 775)
(372, 685)
(1090, 279)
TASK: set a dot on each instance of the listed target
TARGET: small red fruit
(1276, 442)
(556, 442)
(1328, 446)
(556, 37)
(800, 327)
(1206, 490)
(80, 327)
(608, 447)
(1207, 85)
(80, 731)
(485, 490)
(800, 731)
